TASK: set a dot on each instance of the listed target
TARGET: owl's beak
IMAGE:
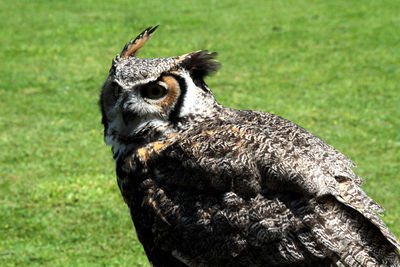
(127, 116)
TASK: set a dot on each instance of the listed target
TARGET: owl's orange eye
(154, 91)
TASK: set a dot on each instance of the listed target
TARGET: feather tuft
(201, 63)
(131, 48)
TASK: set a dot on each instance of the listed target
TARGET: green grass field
(330, 66)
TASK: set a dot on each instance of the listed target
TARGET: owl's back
(227, 192)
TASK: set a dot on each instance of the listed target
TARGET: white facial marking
(195, 101)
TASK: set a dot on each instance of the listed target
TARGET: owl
(208, 185)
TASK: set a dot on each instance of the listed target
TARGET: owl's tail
(353, 238)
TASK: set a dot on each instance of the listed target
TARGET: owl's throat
(130, 132)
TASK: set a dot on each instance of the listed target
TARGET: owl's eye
(154, 91)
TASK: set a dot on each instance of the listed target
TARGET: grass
(330, 66)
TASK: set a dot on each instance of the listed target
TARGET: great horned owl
(212, 186)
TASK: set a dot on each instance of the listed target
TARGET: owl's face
(143, 97)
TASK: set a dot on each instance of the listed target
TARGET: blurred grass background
(330, 66)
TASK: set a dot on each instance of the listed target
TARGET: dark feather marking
(201, 64)
(173, 116)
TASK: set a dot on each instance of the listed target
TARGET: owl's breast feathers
(266, 178)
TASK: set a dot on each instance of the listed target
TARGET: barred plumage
(213, 186)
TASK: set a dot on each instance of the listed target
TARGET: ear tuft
(133, 46)
(201, 63)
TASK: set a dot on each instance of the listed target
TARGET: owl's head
(144, 96)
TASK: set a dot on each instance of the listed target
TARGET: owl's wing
(303, 159)
(265, 177)
(249, 152)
